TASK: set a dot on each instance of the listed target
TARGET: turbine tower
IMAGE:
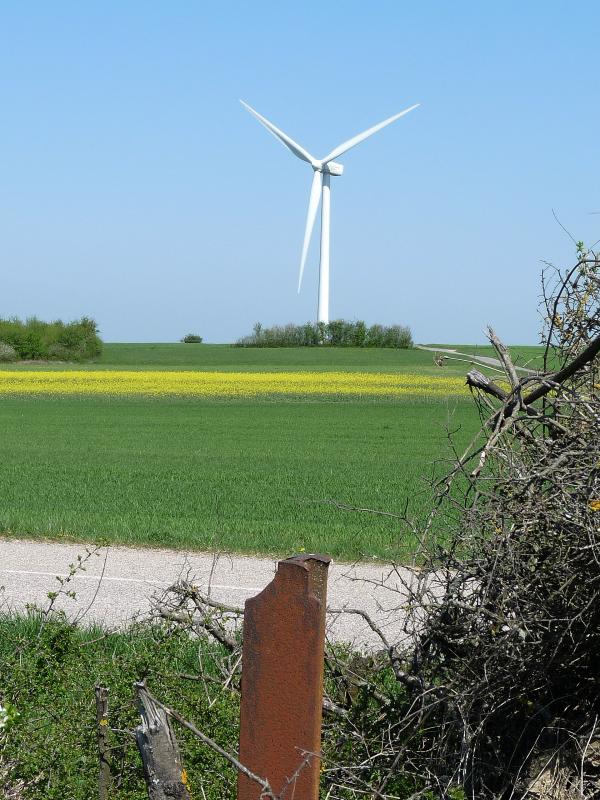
(320, 190)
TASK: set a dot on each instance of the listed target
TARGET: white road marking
(127, 590)
(80, 576)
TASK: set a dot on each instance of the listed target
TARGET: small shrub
(58, 352)
(375, 336)
(192, 338)
(7, 352)
(31, 345)
(360, 334)
(397, 336)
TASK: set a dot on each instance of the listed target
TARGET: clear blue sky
(134, 188)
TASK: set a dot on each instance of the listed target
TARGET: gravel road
(119, 581)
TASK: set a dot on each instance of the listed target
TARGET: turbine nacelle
(332, 168)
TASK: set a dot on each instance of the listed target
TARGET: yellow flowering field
(226, 384)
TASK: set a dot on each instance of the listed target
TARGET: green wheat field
(250, 474)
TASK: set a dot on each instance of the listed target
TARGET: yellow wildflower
(226, 384)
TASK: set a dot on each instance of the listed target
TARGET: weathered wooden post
(282, 681)
(166, 779)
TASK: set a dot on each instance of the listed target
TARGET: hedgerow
(49, 341)
(337, 333)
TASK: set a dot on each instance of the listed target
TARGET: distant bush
(63, 341)
(192, 338)
(337, 333)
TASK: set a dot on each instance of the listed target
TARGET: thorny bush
(509, 647)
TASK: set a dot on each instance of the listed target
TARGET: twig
(585, 749)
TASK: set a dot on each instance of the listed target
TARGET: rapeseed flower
(225, 384)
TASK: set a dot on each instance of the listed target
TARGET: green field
(245, 475)
(225, 357)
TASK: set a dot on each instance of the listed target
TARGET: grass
(227, 358)
(248, 475)
(48, 673)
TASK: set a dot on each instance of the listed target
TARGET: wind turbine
(323, 169)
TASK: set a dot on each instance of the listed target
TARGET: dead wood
(165, 776)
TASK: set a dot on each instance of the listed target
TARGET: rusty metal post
(282, 681)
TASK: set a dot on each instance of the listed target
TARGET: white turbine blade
(342, 148)
(313, 205)
(296, 149)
